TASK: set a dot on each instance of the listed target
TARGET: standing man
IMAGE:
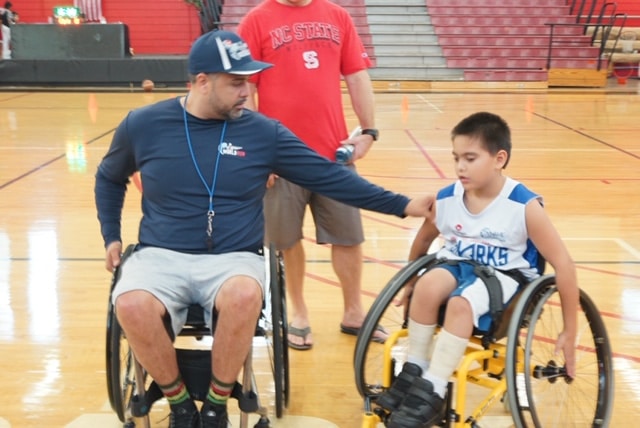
(7, 21)
(312, 44)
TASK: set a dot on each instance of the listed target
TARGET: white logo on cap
(237, 51)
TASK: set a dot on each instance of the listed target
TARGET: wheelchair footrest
(247, 401)
(140, 406)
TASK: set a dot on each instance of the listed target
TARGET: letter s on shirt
(311, 59)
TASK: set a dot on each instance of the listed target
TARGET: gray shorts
(284, 209)
(179, 280)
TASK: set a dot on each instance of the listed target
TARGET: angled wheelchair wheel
(538, 390)
(280, 350)
(120, 373)
(369, 359)
(121, 378)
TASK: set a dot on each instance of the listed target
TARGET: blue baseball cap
(223, 52)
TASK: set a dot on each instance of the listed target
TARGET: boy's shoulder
(447, 191)
(512, 190)
(517, 192)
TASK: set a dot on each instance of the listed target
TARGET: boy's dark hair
(8, 5)
(490, 129)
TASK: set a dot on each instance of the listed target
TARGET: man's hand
(271, 180)
(421, 207)
(112, 259)
(361, 146)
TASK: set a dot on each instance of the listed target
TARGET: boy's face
(475, 166)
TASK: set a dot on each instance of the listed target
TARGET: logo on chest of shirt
(492, 234)
(304, 31)
(482, 248)
(229, 149)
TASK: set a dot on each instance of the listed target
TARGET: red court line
(426, 155)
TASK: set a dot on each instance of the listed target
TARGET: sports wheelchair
(515, 360)
(132, 392)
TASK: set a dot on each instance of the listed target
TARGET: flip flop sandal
(354, 331)
(302, 333)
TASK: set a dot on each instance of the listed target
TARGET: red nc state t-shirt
(311, 48)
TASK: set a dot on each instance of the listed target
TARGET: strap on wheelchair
(488, 276)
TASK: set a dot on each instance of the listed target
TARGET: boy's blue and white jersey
(496, 237)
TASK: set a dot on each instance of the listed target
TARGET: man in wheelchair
(492, 228)
(204, 162)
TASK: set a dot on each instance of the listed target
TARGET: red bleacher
(488, 39)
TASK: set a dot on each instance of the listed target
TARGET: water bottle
(344, 153)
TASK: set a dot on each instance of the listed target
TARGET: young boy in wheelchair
(484, 219)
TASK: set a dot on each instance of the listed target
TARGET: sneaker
(390, 399)
(184, 418)
(214, 416)
(421, 408)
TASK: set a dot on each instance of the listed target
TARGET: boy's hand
(566, 344)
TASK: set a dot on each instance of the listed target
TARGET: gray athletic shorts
(179, 280)
(284, 209)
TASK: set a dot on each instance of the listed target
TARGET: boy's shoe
(184, 418)
(390, 399)
(421, 408)
(213, 416)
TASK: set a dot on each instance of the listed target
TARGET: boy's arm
(547, 240)
(421, 243)
(427, 233)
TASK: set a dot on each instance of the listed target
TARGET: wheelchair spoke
(369, 358)
(545, 396)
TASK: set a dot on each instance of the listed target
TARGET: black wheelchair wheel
(120, 373)
(369, 358)
(280, 358)
(538, 391)
(119, 358)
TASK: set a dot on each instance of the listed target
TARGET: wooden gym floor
(579, 148)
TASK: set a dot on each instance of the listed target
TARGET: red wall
(170, 26)
(155, 26)
(631, 8)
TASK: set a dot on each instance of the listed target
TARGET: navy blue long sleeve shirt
(175, 202)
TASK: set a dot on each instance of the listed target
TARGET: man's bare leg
(141, 316)
(347, 263)
(294, 269)
(238, 304)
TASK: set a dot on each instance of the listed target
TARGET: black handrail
(554, 42)
(617, 17)
(210, 15)
(603, 25)
(601, 21)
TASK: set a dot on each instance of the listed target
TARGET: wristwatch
(373, 132)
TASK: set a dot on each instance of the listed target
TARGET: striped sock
(219, 392)
(176, 392)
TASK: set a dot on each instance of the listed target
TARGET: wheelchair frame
(516, 363)
(132, 393)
